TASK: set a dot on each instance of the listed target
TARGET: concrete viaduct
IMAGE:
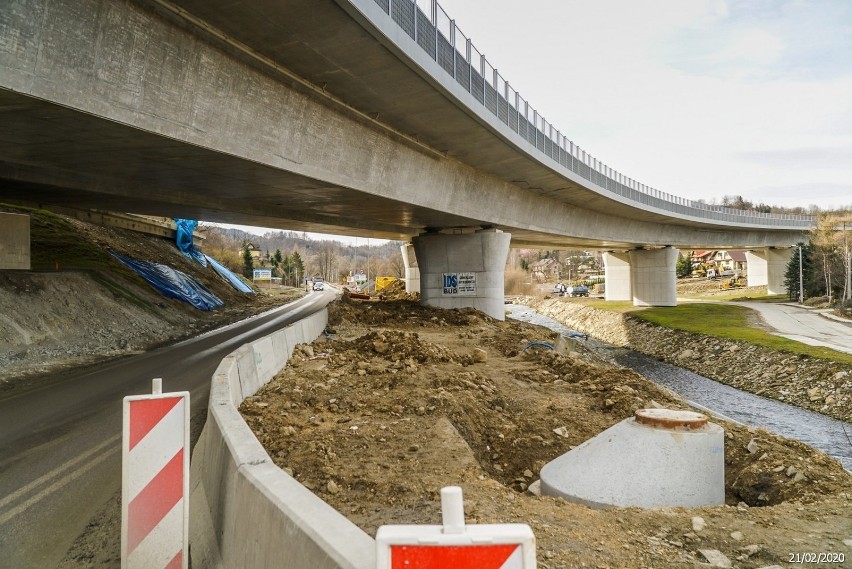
(364, 117)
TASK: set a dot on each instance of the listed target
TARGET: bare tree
(831, 237)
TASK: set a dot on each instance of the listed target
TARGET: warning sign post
(454, 544)
(155, 480)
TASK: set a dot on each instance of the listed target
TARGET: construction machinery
(733, 282)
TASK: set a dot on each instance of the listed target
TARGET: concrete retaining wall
(14, 241)
(245, 511)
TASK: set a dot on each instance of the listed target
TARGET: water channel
(829, 435)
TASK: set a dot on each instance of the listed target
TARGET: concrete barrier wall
(245, 511)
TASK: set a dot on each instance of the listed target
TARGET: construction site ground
(403, 400)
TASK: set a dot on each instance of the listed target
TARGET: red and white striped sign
(506, 556)
(455, 545)
(155, 481)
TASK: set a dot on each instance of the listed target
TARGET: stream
(829, 435)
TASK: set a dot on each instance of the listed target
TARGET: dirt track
(397, 405)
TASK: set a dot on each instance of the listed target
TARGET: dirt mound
(406, 399)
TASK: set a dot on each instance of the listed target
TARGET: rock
(799, 476)
(716, 558)
(791, 471)
(535, 488)
(815, 394)
(528, 473)
(750, 550)
(698, 523)
(841, 374)
(381, 347)
(332, 487)
(847, 542)
(561, 431)
(752, 446)
(480, 355)
(308, 350)
(686, 355)
(737, 535)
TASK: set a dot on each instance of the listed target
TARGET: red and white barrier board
(455, 545)
(155, 481)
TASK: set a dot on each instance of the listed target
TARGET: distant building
(253, 249)
(546, 269)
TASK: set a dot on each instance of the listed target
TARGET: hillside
(79, 305)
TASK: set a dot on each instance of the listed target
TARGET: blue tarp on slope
(228, 275)
(184, 229)
(173, 284)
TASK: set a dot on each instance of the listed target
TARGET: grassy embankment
(721, 321)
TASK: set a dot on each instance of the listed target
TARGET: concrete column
(412, 270)
(14, 241)
(653, 276)
(464, 270)
(617, 276)
(768, 267)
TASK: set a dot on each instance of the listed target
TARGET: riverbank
(823, 386)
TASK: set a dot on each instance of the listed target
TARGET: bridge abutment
(463, 270)
(767, 267)
(412, 269)
(14, 241)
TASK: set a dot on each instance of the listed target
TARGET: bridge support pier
(645, 276)
(412, 270)
(653, 276)
(617, 276)
(464, 270)
(767, 267)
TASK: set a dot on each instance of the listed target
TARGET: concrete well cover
(660, 458)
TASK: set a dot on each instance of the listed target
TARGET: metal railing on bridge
(426, 22)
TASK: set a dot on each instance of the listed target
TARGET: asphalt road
(60, 439)
(804, 325)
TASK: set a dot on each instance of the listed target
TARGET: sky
(697, 98)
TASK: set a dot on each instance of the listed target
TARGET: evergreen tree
(287, 269)
(277, 257)
(298, 266)
(248, 263)
(809, 279)
(684, 266)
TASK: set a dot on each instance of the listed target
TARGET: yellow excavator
(733, 282)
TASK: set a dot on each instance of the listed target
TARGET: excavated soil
(404, 400)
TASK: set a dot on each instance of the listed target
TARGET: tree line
(292, 256)
(823, 265)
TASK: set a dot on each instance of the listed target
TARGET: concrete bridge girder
(138, 111)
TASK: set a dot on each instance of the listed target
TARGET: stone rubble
(818, 385)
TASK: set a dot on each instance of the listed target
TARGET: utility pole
(801, 278)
